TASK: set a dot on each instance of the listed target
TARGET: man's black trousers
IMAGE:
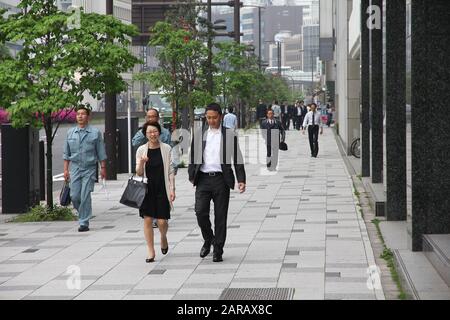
(313, 134)
(212, 188)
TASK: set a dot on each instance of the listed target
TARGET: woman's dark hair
(148, 123)
(315, 105)
(214, 107)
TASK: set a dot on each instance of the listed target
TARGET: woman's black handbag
(134, 193)
(64, 196)
(283, 146)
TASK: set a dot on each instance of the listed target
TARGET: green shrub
(44, 213)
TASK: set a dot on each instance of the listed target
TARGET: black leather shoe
(83, 229)
(217, 257)
(148, 260)
(205, 250)
(164, 251)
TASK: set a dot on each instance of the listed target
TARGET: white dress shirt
(211, 154)
(309, 119)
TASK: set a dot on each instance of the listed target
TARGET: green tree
(240, 81)
(238, 75)
(58, 63)
(182, 59)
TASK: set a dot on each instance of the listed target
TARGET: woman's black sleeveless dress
(156, 204)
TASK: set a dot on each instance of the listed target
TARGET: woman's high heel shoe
(148, 260)
(164, 251)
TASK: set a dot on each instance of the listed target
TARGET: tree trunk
(191, 115)
(49, 154)
(185, 118)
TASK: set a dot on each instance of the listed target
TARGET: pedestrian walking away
(330, 114)
(230, 120)
(212, 151)
(273, 132)
(153, 163)
(83, 149)
(276, 110)
(140, 138)
(312, 121)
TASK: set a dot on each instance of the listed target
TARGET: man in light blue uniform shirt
(139, 139)
(83, 148)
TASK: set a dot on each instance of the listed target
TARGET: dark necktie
(313, 119)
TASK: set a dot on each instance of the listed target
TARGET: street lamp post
(312, 71)
(209, 79)
(259, 38)
(210, 34)
(259, 33)
(278, 55)
(110, 123)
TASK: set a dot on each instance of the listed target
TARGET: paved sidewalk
(298, 229)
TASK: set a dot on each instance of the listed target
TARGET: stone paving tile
(148, 297)
(265, 243)
(102, 295)
(206, 296)
(349, 296)
(56, 297)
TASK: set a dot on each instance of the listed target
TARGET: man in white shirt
(210, 172)
(230, 120)
(312, 121)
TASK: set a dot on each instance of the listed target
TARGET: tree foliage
(182, 59)
(59, 62)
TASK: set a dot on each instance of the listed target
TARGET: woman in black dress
(153, 162)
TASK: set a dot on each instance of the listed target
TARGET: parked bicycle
(355, 148)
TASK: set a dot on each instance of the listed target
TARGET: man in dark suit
(261, 110)
(291, 113)
(210, 171)
(273, 132)
(304, 112)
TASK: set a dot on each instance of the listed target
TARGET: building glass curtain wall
(310, 47)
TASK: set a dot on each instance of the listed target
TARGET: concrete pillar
(396, 110)
(430, 118)
(375, 24)
(353, 90)
(365, 90)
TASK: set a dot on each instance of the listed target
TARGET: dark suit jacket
(291, 110)
(229, 150)
(276, 125)
(304, 111)
(261, 111)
